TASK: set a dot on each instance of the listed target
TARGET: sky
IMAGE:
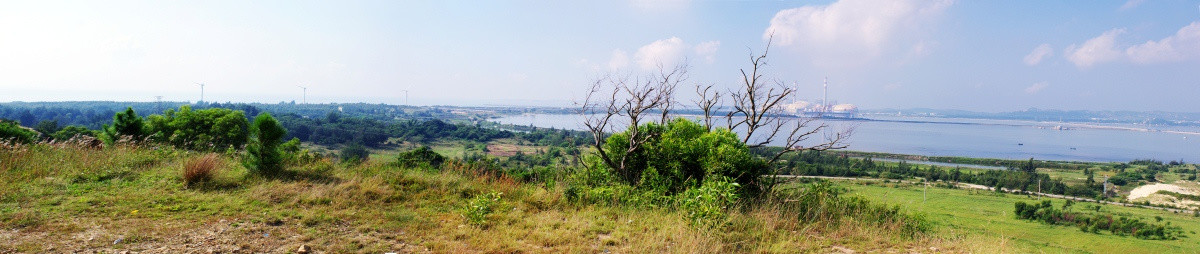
(972, 55)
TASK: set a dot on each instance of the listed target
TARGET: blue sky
(972, 55)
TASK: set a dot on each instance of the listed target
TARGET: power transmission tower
(158, 102)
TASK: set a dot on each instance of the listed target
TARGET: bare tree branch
(631, 100)
(707, 102)
(758, 113)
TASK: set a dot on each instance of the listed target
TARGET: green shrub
(354, 154)
(707, 204)
(479, 207)
(422, 156)
(126, 124)
(11, 131)
(293, 154)
(47, 128)
(682, 154)
(73, 131)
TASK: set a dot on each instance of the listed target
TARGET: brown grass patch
(200, 169)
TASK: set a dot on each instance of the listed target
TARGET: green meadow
(963, 212)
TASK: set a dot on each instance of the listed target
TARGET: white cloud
(1036, 87)
(1131, 4)
(1182, 46)
(854, 26)
(666, 53)
(1185, 44)
(1096, 50)
(708, 50)
(1038, 54)
(619, 60)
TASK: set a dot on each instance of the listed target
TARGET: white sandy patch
(1146, 190)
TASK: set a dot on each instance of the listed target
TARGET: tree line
(1023, 178)
(1097, 221)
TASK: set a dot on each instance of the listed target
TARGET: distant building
(824, 109)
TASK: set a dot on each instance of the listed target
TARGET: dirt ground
(221, 236)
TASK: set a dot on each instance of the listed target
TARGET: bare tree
(756, 111)
(620, 97)
(707, 102)
(758, 108)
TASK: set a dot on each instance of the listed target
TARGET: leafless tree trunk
(707, 102)
(612, 98)
(758, 107)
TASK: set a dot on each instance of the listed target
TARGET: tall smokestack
(825, 99)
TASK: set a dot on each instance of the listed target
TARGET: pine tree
(263, 155)
(126, 124)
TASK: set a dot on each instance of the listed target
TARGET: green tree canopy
(205, 129)
(126, 124)
(46, 128)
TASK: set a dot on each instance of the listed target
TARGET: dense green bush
(707, 205)
(73, 131)
(682, 164)
(1094, 223)
(354, 153)
(125, 125)
(422, 156)
(262, 155)
(210, 129)
(682, 154)
(11, 131)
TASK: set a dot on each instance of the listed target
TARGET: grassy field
(983, 213)
(68, 199)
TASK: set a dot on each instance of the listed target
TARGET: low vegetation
(1096, 222)
(986, 218)
(131, 197)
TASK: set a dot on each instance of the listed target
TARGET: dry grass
(367, 208)
(201, 169)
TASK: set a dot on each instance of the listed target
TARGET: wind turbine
(201, 91)
(304, 99)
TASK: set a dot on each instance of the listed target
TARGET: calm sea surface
(980, 138)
